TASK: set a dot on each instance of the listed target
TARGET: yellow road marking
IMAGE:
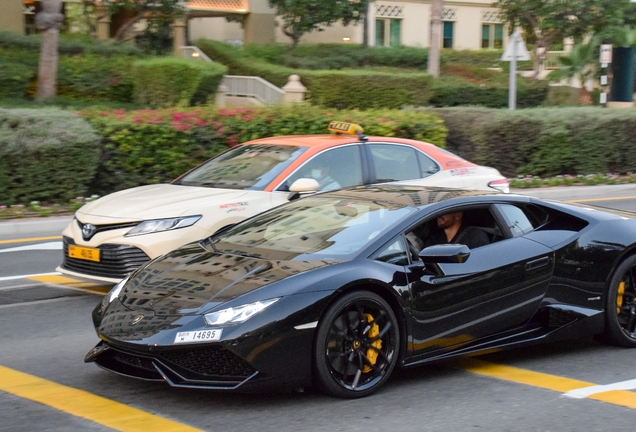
(83, 404)
(32, 239)
(622, 398)
(601, 199)
(73, 283)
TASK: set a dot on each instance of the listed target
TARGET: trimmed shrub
(544, 141)
(67, 46)
(164, 82)
(15, 79)
(46, 155)
(333, 89)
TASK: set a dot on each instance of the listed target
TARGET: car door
(395, 162)
(499, 287)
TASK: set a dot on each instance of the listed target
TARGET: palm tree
(437, 6)
(579, 64)
(49, 21)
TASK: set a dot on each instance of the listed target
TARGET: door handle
(535, 264)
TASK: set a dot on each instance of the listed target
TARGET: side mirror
(302, 185)
(432, 256)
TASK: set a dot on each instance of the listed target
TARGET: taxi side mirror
(302, 185)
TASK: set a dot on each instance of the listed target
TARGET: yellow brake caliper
(372, 354)
(619, 297)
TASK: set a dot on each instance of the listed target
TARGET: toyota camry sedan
(110, 237)
(339, 288)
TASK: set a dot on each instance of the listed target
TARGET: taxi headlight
(238, 314)
(158, 225)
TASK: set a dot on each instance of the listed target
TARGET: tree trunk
(437, 7)
(49, 21)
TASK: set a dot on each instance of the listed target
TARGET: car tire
(357, 345)
(620, 306)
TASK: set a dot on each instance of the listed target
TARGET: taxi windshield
(245, 167)
(321, 227)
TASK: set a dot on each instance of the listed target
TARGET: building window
(447, 40)
(388, 31)
(492, 36)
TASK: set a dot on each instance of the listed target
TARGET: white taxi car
(112, 236)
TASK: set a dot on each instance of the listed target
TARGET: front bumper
(211, 367)
(116, 262)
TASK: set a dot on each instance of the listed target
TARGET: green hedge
(359, 89)
(545, 141)
(462, 83)
(46, 155)
(15, 79)
(175, 81)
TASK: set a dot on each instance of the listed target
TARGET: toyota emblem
(88, 230)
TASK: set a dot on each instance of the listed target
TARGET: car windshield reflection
(313, 228)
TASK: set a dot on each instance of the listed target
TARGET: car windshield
(321, 227)
(245, 167)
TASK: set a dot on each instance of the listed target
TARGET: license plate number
(198, 336)
(83, 253)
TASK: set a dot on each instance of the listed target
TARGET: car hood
(192, 280)
(157, 201)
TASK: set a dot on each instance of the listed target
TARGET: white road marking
(27, 276)
(40, 246)
(588, 391)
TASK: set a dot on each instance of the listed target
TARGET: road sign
(606, 53)
(516, 48)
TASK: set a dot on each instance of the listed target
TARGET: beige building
(467, 24)
(12, 14)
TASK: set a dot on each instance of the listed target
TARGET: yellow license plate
(84, 253)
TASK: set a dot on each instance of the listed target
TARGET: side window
(394, 162)
(516, 219)
(334, 169)
(393, 253)
(427, 165)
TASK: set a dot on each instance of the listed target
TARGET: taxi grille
(116, 261)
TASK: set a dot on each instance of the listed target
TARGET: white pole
(512, 92)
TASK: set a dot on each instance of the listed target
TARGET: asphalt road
(44, 385)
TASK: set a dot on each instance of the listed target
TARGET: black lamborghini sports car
(337, 289)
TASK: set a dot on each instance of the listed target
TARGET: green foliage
(151, 146)
(175, 81)
(46, 155)
(449, 93)
(366, 90)
(467, 84)
(90, 77)
(66, 46)
(544, 141)
(15, 79)
(547, 22)
(298, 17)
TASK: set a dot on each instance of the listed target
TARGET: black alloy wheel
(620, 309)
(357, 345)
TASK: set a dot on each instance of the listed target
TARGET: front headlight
(114, 292)
(158, 225)
(238, 314)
